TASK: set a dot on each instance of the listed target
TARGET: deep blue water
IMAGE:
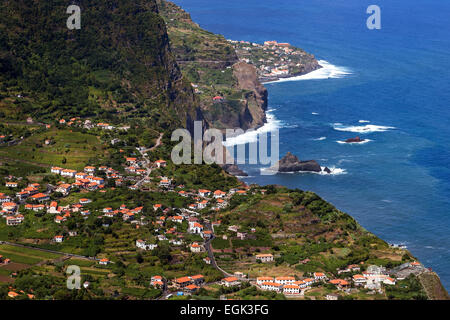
(398, 185)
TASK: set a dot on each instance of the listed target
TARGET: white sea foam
(362, 142)
(363, 121)
(252, 136)
(320, 139)
(314, 113)
(334, 171)
(362, 129)
(328, 71)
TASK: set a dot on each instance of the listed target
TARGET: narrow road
(147, 161)
(209, 250)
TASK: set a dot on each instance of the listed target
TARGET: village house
(261, 280)
(291, 289)
(64, 188)
(104, 262)
(272, 286)
(9, 207)
(165, 183)
(68, 173)
(195, 228)
(85, 201)
(195, 247)
(56, 170)
(89, 169)
(58, 239)
(11, 184)
(40, 197)
(14, 220)
(230, 282)
(141, 244)
(219, 194)
(319, 276)
(359, 279)
(157, 281)
(182, 282)
(265, 257)
(284, 280)
(161, 163)
(202, 204)
(204, 193)
(53, 208)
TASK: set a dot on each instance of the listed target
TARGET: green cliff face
(117, 66)
(211, 64)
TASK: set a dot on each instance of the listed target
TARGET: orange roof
(198, 276)
(264, 278)
(192, 287)
(39, 195)
(273, 284)
(284, 278)
(291, 286)
(230, 279)
(182, 280)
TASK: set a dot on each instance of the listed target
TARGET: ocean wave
(328, 71)
(314, 113)
(363, 121)
(362, 142)
(320, 139)
(250, 136)
(334, 171)
(369, 128)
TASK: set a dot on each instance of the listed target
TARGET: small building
(230, 282)
(291, 289)
(195, 247)
(264, 257)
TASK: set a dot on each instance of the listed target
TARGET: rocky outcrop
(234, 170)
(355, 140)
(290, 163)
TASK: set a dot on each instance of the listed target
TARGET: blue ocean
(388, 86)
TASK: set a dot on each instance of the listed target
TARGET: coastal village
(197, 228)
(275, 60)
(88, 185)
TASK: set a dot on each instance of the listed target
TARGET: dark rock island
(354, 140)
(290, 163)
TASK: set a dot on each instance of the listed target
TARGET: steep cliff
(117, 66)
(211, 64)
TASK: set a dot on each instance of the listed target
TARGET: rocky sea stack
(290, 163)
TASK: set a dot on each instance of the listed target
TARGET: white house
(58, 239)
(195, 247)
(265, 257)
(261, 280)
(285, 280)
(291, 289)
(230, 282)
(272, 286)
(141, 244)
